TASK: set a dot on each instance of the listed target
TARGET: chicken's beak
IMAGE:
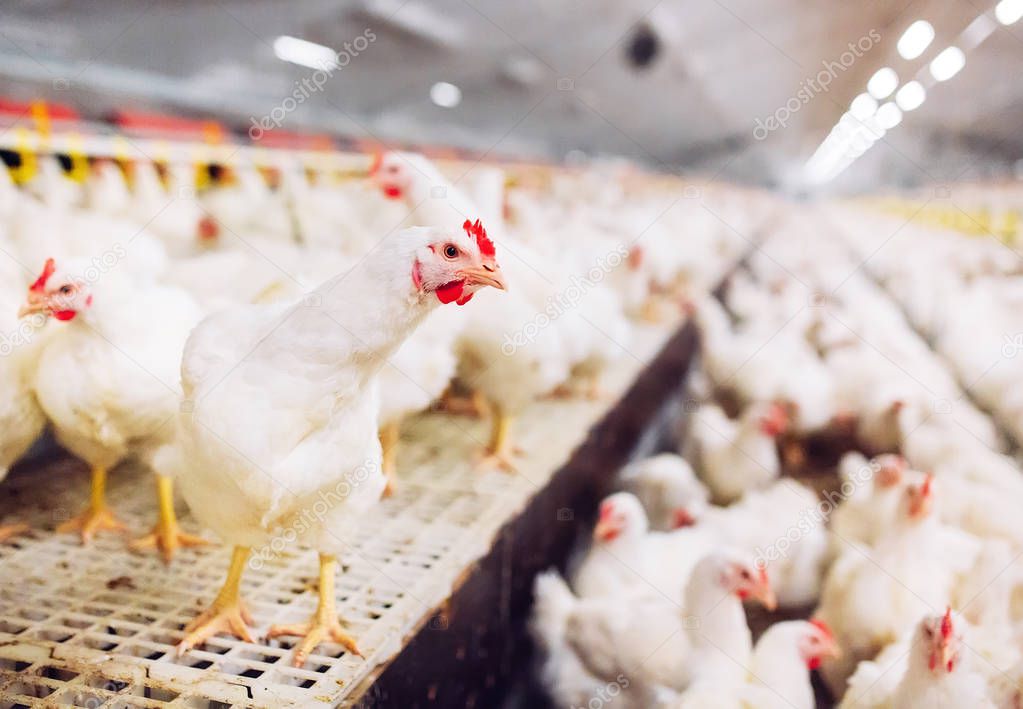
(682, 517)
(922, 502)
(831, 650)
(775, 422)
(606, 530)
(485, 275)
(36, 303)
(763, 592)
(944, 655)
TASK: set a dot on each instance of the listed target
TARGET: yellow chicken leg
(324, 624)
(500, 450)
(227, 613)
(389, 435)
(12, 530)
(167, 535)
(97, 517)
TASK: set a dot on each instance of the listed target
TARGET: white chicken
(568, 680)
(241, 206)
(171, 213)
(524, 358)
(627, 559)
(871, 492)
(653, 643)
(107, 382)
(782, 525)
(306, 372)
(872, 596)
(735, 456)
(668, 488)
(21, 418)
(779, 672)
(938, 672)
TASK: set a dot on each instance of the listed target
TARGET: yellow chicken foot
(227, 613)
(166, 535)
(500, 450)
(389, 435)
(12, 530)
(97, 517)
(323, 625)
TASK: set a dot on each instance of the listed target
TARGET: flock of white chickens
(258, 344)
(903, 567)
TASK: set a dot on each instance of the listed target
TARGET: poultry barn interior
(627, 354)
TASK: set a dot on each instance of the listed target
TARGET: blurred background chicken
(108, 385)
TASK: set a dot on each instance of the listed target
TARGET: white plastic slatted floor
(96, 626)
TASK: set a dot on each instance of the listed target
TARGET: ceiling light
(305, 53)
(883, 82)
(863, 106)
(1009, 11)
(889, 116)
(911, 96)
(917, 37)
(445, 95)
(948, 64)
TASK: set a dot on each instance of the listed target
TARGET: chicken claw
(167, 535)
(318, 629)
(323, 625)
(12, 530)
(97, 517)
(168, 539)
(233, 619)
(227, 613)
(94, 519)
(497, 461)
(500, 450)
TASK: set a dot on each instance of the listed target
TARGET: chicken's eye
(66, 290)
(392, 169)
(450, 251)
(745, 575)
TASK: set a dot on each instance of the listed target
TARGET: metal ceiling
(540, 78)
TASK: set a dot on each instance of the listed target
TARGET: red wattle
(392, 192)
(813, 663)
(450, 292)
(65, 315)
(464, 299)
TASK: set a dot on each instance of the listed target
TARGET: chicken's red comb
(477, 232)
(822, 626)
(40, 284)
(946, 623)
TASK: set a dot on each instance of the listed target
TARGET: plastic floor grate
(96, 626)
